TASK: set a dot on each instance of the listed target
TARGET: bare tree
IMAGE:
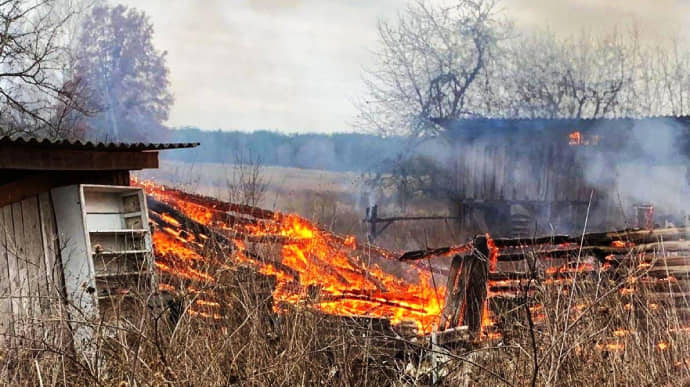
(429, 64)
(549, 77)
(246, 183)
(34, 96)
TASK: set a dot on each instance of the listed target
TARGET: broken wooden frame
(662, 252)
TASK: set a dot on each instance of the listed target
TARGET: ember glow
(325, 271)
(577, 138)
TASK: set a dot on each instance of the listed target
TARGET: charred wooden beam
(432, 253)
(223, 206)
(455, 294)
(603, 238)
(157, 207)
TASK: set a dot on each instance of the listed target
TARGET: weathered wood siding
(535, 172)
(32, 313)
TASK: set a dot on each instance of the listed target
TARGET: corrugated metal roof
(74, 144)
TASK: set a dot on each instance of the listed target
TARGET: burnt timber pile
(199, 240)
(648, 266)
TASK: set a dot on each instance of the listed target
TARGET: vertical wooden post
(467, 288)
(372, 216)
(477, 285)
(454, 295)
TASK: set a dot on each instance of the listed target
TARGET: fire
(325, 271)
(611, 347)
(621, 332)
(577, 138)
(487, 320)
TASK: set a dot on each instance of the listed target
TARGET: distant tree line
(336, 152)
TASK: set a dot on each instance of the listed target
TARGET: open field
(336, 200)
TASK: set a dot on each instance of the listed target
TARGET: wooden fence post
(467, 288)
(477, 285)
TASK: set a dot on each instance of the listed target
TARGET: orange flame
(328, 272)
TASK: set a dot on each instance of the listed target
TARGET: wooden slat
(471, 180)
(57, 330)
(50, 246)
(21, 290)
(6, 331)
(33, 249)
(450, 308)
(500, 172)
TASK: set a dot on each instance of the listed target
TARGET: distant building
(526, 176)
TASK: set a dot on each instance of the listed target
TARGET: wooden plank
(58, 332)
(500, 172)
(549, 194)
(22, 290)
(33, 249)
(27, 158)
(490, 155)
(471, 181)
(51, 245)
(6, 316)
(460, 174)
(460, 292)
(13, 268)
(484, 171)
(450, 304)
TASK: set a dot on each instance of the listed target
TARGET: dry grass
(252, 345)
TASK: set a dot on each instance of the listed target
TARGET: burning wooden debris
(331, 273)
(488, 274)
(335, 275)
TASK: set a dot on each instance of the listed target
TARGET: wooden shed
(74, 236)
(541, 173)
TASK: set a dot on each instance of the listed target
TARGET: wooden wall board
(22, 291)
(6, 316)
(36, 278)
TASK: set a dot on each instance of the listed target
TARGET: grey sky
(295, 65)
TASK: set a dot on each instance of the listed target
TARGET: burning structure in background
(540, 174)
(332, 273)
